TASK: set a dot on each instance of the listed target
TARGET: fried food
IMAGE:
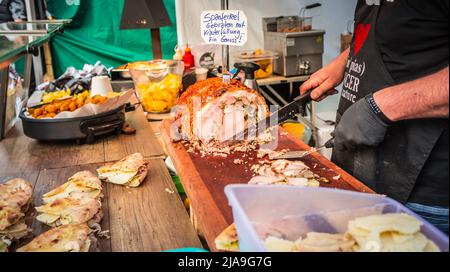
(50, 97)
(70, 104)
(98, 99)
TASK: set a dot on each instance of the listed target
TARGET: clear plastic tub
(264, 58)
(292, 212)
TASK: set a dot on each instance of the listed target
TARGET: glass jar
(158, 83)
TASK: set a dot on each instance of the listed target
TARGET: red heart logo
(361, 33)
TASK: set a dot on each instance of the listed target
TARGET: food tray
(260, 211)
(85, 128)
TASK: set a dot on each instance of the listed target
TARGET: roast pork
(211, 110)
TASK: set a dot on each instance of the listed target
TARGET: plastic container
(261, 211)
(158, 83)
(263, 58)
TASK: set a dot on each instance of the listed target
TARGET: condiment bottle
(188, 58)
(178, 54)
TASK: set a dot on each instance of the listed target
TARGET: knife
(301, 154)
(289, 111)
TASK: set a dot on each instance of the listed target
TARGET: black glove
(360, 127)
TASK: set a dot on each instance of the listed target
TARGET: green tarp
(94, 35)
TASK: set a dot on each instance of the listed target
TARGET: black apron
(393, 167)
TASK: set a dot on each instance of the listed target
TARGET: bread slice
(130, 171)
(228, 240)
(68, 211)
(68, 238)
(82, 184)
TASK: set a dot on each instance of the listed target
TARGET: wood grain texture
(150, 217)
(15, 160)
(52, 178)
(204, 179)
(144, 142)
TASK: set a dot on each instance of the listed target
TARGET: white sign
(225, 27)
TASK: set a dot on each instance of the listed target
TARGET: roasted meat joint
(225, 127)
(212, 110)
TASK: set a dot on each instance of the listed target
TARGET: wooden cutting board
(204, 178)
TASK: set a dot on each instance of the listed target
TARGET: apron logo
(361, 33)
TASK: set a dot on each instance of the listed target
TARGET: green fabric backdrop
(94, 35)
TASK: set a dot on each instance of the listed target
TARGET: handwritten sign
(225, 27)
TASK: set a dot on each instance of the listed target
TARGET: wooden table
(204, 179)
(149, 218)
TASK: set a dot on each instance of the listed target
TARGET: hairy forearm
(427, 97)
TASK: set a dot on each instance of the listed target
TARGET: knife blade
(301, 154)
(282, 115)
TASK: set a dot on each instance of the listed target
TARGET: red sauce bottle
(188, 58)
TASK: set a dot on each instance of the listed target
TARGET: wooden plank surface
(151, 217)
(148, 218)
(144, 142)
(204, 179)
(15, 159)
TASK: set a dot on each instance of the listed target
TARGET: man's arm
(18, 10)
(427, 97)
(362, 126)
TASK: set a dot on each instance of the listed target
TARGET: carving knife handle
(305, 98)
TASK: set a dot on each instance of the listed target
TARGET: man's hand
(325, 80)
(359, 127)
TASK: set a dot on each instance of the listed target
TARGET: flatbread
(3, 245)
(274, 244)
(82, 184)
(9, 215)
(16, 231)
(389, 233)
(68, 211)
(130, 171)
(323, 242)
(398, 222)
(68, 238)
(16, 192)
(129, 164)
(228, 240)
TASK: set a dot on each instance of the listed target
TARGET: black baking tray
(82, 129)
